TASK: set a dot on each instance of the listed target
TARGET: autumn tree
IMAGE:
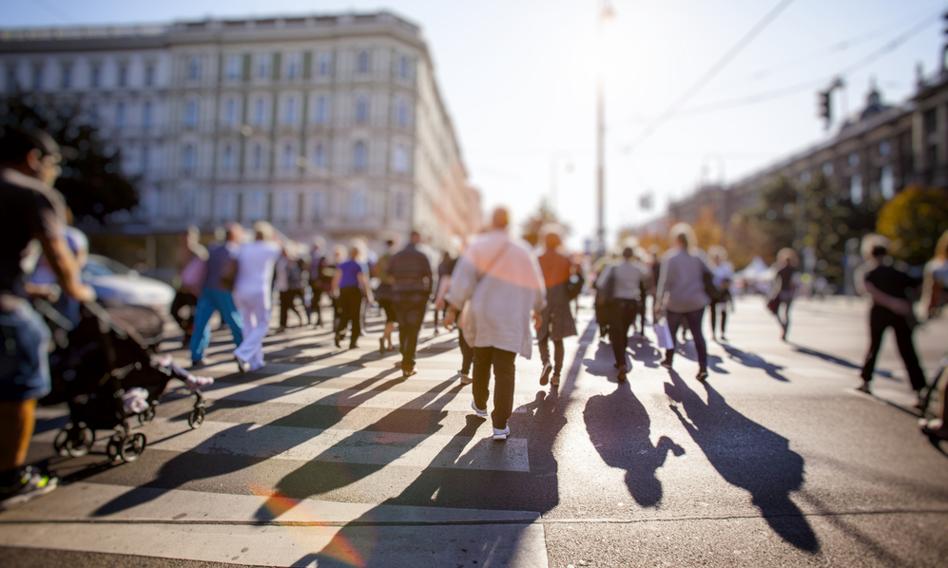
(534, 225)
(913, 220)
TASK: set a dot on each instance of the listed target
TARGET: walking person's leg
(201, 337)
(467, 356)
(483, 358)
(694, 320)
(224, 302)
(674, 320)
(504, 379)
(618, 333)
(877, 324)
(285, 299)
(906, 345)
(724, 320)
(543, 341)
(262, 316)
(713, 310)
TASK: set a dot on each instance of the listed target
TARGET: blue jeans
(210, 301)
(24, 361)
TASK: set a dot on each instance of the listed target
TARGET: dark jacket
(409, 272)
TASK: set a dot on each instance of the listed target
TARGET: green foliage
(92, 181)
(913, 220)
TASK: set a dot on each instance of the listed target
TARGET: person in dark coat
(409, 272)
(557, 322)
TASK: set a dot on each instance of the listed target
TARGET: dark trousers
(558, 352)
(467, 354)
(714, 308)
(504, 372)
(623, 317)
(693, 321)
(410, 316)
(317, 290)
(288, 302)
(879, 319)
(350, 308)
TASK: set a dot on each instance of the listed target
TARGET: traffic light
(825, 106)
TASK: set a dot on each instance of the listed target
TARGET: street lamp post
(605, 14)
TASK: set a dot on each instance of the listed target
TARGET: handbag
(663, 334)
(574, 286)
(607, 291)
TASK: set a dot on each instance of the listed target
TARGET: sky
(519, 79)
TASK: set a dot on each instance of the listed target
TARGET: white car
(117, 284)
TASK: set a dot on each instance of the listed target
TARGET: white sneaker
(501, 435)
(480, 412)
(465, 379)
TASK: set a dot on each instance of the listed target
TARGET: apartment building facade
(323, 125)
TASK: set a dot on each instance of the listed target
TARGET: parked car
(117, 284)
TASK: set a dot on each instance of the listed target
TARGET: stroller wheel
(114, 448)
(133, 447)
(148, 415)
(196, 417)
(74, 441)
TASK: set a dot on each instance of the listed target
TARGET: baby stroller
(106, 370)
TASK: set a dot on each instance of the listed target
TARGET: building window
(402, 113)
(827, 169)
(855, 189)
(146, 159)
(404, 67)
(885, 149)
(357, 204)
(146, 115)
(259, 111)
(318, 205)
(256, 157)
(284, 206)
(194, 68)
(324, 65)
(887, 182)
(121, 80)
(188, 159)
(227, 160)
(120, 114)
(319, 156)
(400, 161)
(150, 75)
(11, 83)
(38, 77)
(288, 159)
(263, 72)
(255, 209)
(294, 66)
(854, 160)
(362, 109)
(65, 80)
(227, 205)
(95, 76)
(289, 110)
(360, 157)
(230, 112)
(363, 62)
(191, 114)
(401, 206)
(321, 110)
(232, 67)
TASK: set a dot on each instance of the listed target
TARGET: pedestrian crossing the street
(324, 457)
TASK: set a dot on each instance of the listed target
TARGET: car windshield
(102, 266)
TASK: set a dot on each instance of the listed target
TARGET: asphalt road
(327, 458)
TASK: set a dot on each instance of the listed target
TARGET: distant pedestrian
(253, 293)
(350, 285)
(889, 289)
(501, 278)
(935, 285)
(601, 303)
(216, 294)
(320, 281)
(681, 294)
(784, 288)
(557, 321)
(191, 258)
(410, 273)
(722, 272)
(623, 282)
(289, 285)
(445, 268)
(384, 295)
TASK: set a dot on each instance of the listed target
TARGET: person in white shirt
(252, 293)
(722, 272)
(500, 276)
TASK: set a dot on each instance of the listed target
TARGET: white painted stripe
(337, 445)
(213, 527)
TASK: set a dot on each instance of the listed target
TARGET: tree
(92, 181)
(543, 217)
(746, 239)
(913, 220)
(708, 231)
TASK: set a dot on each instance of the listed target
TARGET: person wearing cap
(32, 212)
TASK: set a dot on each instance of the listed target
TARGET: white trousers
(254, 309)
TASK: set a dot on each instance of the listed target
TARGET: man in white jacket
(500, 279)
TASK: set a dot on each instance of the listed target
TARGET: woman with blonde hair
(784, 288)
(935, 284)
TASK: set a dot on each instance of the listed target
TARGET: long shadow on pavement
(747, 455)
(754, 361)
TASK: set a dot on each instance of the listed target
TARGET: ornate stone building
(330, 125)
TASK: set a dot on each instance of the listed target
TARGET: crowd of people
(497, 290)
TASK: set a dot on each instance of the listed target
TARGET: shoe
(702, 375)
(667, 363)
(622, 373)
(353, 345)
(864, 387)
(381, 345)
(481, 413)
(465, 378)
(545, 375)
(32, 484)
(337, 339)
(723, 337)
(408, 372)
(199, 364)
(922, 403)
(500, 435)
(556, 380)
(241, 364)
